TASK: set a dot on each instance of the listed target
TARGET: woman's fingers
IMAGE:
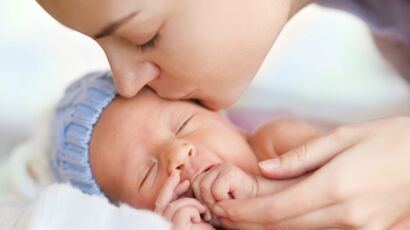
(308, 195)
(309, 156)
(228, 224)
(330, 217)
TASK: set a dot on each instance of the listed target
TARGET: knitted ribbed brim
(72, 127)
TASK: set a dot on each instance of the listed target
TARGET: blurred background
(324, 66)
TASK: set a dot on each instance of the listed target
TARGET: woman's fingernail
(218, 211)
(269, 165)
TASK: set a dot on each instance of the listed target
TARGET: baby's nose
(180, 155)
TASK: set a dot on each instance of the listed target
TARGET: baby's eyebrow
(113, 26)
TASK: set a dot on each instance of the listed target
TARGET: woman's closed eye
(184, 124)
(149, 44)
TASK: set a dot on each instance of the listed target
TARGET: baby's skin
(226, 181)
(179, 158)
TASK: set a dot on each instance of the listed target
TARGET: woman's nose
(129, 80)
(179, 155)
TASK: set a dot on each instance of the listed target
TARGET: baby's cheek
(143, 198)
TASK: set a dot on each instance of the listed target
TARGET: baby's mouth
(190, 193)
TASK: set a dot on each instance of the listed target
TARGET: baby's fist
(185, 213)
(224, 181)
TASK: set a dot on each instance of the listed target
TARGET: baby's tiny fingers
(205, 188)
(189, 218)
(182, 188)
(182, 203)
(221, 190)
(196, 189)
(167, 193)
(185, 218)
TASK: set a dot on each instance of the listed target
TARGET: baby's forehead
(144, 101)
(127, 123)
(148, 104)
(139, 118)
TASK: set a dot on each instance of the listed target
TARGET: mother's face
(202, 49)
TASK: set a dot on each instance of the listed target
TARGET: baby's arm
(279, 136)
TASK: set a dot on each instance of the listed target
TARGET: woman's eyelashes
(149, 44)
(184, 124)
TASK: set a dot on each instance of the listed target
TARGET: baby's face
(202, 49)
(137, 142)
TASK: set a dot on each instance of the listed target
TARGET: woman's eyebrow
(110, 28)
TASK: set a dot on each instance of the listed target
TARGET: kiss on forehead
(175, 46)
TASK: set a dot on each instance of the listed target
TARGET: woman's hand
(362, 181)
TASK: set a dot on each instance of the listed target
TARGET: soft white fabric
(63, 207)
(29, 200)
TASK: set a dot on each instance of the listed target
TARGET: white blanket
(29, 200)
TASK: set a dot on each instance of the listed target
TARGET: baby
(175, 157)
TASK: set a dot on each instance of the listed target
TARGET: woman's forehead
(90, 16)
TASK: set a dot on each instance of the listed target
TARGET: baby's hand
(224, 181)
(184, 213)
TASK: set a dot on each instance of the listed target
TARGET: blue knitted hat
(72, 127)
